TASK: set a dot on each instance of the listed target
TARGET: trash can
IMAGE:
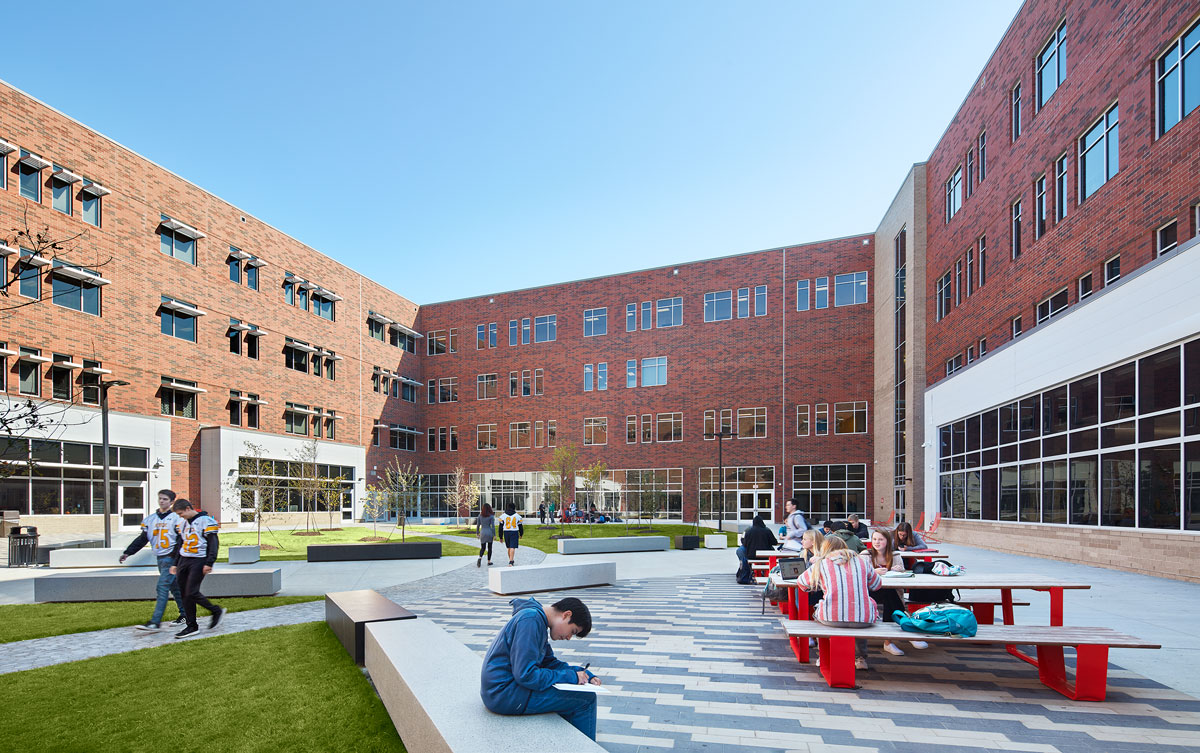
(22, 546)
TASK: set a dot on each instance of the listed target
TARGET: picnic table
(761, 565)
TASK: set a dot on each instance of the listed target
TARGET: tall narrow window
(1112, 270)
(822, 293)
(969, 279)
(587, 377)
(1016, 112)
(1166, 238)
(647, 314)
(630, 317)
(1060, 188)
(970, 178)
(982, 156)
(1178, 73)
(1039, 207)
(957, 282)
(760, 300)
(982, 260)
(1016, 229)
(822, 422)
(802, 420)
(954, 193)
(942, 293)
(1052, 65)
(631, 373)
(802, 295)
(1099, 158)
(743, 303)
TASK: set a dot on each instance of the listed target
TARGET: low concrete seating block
(412, 550)
(243, 555)
(614, 544)
(716, 541)
(551, 577)
(435, 705)
(101, 558)
(127, 584)
(348, 612)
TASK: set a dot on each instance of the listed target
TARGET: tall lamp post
(104, 443)
(720, 436)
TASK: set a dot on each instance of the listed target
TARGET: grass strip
(539, 538)
(288, 546)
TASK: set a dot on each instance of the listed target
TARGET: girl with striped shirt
(847, 581)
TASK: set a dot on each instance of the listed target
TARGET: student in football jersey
(195, 551)
(513, 528)
(160, 530)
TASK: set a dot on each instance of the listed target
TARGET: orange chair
(928, 535)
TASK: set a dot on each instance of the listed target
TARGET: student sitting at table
(855, 527)
(847, 581)
(906, 539)
(883, 559)
(756, 539)
(812, 541)
(852, 542)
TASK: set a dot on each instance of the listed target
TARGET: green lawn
(290, 688)
(539, 538)
(292, 547)
(19, 622)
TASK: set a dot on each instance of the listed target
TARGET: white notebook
(589, 688)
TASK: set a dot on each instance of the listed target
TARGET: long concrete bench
(435, 705)
(836, 646)
(411, 550)
(614, 544)
(121, 585)
(101, 558)
(348, 612)
(544, 577)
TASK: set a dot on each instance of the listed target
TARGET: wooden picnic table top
(931, 553)
(967, 581)
(1031, 635)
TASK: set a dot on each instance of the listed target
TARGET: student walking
(195, 552)
(485, 529)
(514, 529)
(160, 530)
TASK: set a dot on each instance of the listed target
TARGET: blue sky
(452, 149)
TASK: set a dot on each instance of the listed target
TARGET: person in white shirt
(160, 530)
(513, 529)
(796, 525)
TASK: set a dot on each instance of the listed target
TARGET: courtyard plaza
(696, 665)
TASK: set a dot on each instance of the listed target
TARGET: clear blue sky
(451, 149)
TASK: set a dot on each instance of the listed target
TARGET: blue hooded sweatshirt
(520, 661)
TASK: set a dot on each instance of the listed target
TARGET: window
(969, 279)
(178, 318)
(538, 374)
(436, 342)
(1052, 306)
(60, 378)
(235, 267)
(718, 306)
(670, 427)
(601, 376)
(1099, 154)
(177, 240)
(982, 156)
(525, 331)
(1016, 326)
(802, 295)
(647, 428)
(60, 191)
(252, 274)
(1085, 286)
(1178, 74)
(76, 288)
(30, 168)
(752, 423)
(822, 293)
(822, 419)
(954, 364)
(29, 372)
(178, 398)
(1112, 270)
(480, 336)
(485, 387)
(252, 411)
(485, 437)
(595, 431)
(943, 296)
(631, 373)
(448, 390)
(29, 276)
(1166, 238)
(89, 202)
(669, 312)
(982, 261)
(1060, 188)
(491, 334)
(375, 329)
(631, 429)
(850, 289)
(970, 172)
(1016, 112)
(587, 377)
(982, 347)
(850, 418)
(970, 353)
(526, 386)
(654, 371)
(323, 306)
(1016, 229)
(551, 433)
(802, 415)
(957, 281)
(954, 193)
(545, 328)
(295, 355)
(647, 311)
(630, 317)
(402, 437)
(743, 303)
(1052, 65)
(514, 331)
(595, 322)
(1039, 207)
(89, 382)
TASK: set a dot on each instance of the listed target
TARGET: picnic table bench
(1091, 645)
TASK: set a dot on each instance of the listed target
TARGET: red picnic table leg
(796, 612)
(1056, 619)
(837, 661)
(1056, 606)
(1091, 671)
(985, 614)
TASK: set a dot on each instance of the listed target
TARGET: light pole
(721, 435)
(104, 443)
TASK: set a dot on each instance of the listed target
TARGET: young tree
(563, 466)
(314, 489)
(375, 505)
(253, 485)
(400, 487)
(465, 493)
(593, 478)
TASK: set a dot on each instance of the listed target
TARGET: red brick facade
(1112, 49)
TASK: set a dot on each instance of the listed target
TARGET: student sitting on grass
(520, 669)
(847, 581)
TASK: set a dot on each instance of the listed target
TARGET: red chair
(928, 535)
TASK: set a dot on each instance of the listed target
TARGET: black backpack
(928, 595)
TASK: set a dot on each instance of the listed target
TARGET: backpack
(938, 619)
(928, 595)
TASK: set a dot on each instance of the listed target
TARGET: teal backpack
(938, 619)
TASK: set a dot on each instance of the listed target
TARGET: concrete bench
(716, 541)
(129, 584)
(348, 612)
(101, 558)
(412, 550)
(1091, 645)
(614, 544)
(244, 555)
(42, 555)
(528, 578)
(435, 705)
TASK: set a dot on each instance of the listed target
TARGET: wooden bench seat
(836, 646)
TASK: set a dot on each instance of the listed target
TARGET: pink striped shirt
(847, 589)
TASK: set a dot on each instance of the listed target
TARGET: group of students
(184, 540)
(842, 575)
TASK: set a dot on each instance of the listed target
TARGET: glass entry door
(757, 502)
(131, 497)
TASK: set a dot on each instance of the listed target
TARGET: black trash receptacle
(22, 546)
